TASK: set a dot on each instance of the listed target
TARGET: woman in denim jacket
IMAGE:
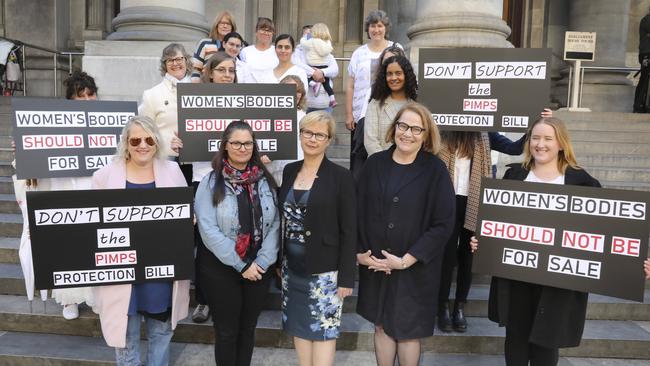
(239, 224)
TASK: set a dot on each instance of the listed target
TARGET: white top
(535, 179)
(319, 100)
(276, 167)
(316, 50)
(259, 60)
(268, 76)
(462, 168)
(361, 68)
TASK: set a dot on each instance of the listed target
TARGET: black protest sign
(484, 89)
(580, 238)
(66, 138)
(113, 236)
(205, 110)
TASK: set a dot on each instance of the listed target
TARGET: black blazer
(560, 316)
(331, 221)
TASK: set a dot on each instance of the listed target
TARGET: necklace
(304, 178)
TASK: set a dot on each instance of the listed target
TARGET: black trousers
(236, 303)
(524, 298)
(457, 252)
(326, 83)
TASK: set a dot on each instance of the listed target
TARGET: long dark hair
(380, 89)
(217, 161)
(461, 141)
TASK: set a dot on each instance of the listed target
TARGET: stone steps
(53, 350)
(602, 338)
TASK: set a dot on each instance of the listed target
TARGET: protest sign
(580, 238)
(205, 110)
(484, 89)
(66, 138)
(112, 236)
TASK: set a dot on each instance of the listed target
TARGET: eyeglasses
(266, 30)
(238, 145)
(223, 70)
(319, 136)
(415, 130)
(225, 23)
(176, 60)
(135, 141)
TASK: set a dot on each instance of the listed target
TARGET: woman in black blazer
(543, 318)
(406, 215)
(318, 202)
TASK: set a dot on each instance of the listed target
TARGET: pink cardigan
(113, 301)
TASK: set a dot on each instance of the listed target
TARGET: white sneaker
(70, 312)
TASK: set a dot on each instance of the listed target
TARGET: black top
(331, 220)
(644, 35)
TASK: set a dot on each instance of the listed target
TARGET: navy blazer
(331, 220)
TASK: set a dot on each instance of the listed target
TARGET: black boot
(458, 319)
(444, 318)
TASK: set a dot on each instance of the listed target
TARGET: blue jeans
(159, 334)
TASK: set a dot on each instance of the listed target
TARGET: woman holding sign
(540, 319)
(239, 223)
(140, 164)
(406, 212)
(318, 204)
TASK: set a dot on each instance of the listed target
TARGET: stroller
(11, 67)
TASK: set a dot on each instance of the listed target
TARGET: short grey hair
(376, 16)
(149, 126)
(169, 52)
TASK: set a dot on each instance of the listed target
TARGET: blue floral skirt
(311, 308)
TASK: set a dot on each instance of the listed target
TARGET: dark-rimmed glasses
(415, 130)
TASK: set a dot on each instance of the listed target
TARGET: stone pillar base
(124, 69)
(460, 29)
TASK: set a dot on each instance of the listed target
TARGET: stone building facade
(122, 39)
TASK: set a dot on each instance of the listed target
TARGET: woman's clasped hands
(389, 263)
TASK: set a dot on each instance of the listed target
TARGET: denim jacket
(218, 225)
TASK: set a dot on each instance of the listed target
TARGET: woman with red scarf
(238, 220)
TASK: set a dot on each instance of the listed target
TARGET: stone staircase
(617, 332)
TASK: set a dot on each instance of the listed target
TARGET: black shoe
(444, 319)
(458, 319)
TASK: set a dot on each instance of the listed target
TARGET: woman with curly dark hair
(394, 86)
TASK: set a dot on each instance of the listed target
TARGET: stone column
(95, 27)
(605, 91)
(161, 20)
(458, 23)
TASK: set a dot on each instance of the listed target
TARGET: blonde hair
(148, 125)
(300, 88)
(214, 33)
(316, 117)
(565, 157)
(320, 30)
(431, 139)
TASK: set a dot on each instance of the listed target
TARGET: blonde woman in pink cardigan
(140, 164)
